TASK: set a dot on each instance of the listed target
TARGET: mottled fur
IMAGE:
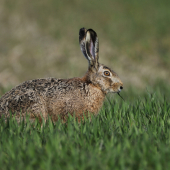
(58, 97)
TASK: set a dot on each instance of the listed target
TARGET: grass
(125, 135)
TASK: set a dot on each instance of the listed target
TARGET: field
(125, 135)
(40, 39)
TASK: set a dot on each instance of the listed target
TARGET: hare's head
(98, 74)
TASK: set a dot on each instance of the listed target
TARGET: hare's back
(33, 96)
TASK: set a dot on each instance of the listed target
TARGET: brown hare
(60, 97)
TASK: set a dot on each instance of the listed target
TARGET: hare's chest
(94, 100)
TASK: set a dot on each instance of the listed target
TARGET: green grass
(126, 135)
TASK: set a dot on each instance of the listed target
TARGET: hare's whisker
(120, 96)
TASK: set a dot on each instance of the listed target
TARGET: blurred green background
(40, 39)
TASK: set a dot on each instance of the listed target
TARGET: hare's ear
(82, 36)
(90, 47)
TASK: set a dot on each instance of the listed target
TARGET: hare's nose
(121, 87)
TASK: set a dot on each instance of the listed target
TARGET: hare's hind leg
(38, 111)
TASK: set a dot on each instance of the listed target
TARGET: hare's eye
(106, 73)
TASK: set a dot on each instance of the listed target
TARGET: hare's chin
(119, 90)
(113, 91)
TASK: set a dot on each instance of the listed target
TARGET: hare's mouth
(120, 88)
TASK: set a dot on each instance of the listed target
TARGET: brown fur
(60, 97)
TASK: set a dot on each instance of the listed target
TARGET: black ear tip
(82, 33)
(92, 32)
(82, 29)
